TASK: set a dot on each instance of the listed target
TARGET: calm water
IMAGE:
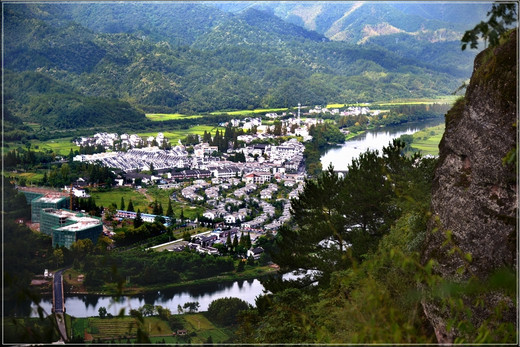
(88, 305)
(342, 155)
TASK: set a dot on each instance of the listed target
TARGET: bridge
(58, 304)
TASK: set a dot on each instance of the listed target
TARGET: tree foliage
(502, 15)
(225, 311)
(339, 220)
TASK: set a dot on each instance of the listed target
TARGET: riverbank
(354, 134)
(73, 287)
(341, 156)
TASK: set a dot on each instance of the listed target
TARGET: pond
(88, 305)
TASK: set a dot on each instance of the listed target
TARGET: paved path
(58, 304)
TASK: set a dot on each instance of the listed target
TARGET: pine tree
(160, 209)
(138, 221)
(235, 242)
(155, 207)
(169, 211)
(248, 240)
(122, 203)
(242, 240)
(130, 206)
(228, 240)
(45, 179)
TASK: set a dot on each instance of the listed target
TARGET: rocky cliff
(474, 199)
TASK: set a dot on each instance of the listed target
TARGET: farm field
(427, 140)
(204, 329)
(447, 99)
(60, 146)
(246, 112)
(159, 117)
(124, 329)
(31, 178)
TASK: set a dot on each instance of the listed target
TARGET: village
(245, 189)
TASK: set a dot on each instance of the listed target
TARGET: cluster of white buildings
(140, 158)
(109, 140)
(350, 111)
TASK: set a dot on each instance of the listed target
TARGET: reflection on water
(88, 305)
(341, 156)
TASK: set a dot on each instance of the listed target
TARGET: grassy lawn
(141, 199)
(427, 140)
(353, 134)
(158, 117)
(176, 135)
(105, 199)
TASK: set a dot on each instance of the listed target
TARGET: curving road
(58, 300)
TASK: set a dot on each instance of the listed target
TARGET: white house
(255, 252)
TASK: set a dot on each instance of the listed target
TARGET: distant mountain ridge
(203, 57)
(341, 20)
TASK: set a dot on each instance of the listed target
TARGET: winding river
(341, 156)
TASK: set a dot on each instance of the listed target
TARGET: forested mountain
(195, 57)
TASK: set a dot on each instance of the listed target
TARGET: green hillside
(79, 65)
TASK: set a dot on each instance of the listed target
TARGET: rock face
(474, 193)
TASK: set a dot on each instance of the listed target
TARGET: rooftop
(52, 197)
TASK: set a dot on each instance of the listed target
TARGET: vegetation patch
(159, 117)
(427, 140)
(175, 135)
(447, 99)
(60, 146)
(255, 111)
(124, 329)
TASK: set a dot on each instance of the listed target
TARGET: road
(59, 304)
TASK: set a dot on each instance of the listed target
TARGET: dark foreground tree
(339, 220)
(224, 311)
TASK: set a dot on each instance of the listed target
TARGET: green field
(428, 139)
(122, 329)
(255, 111)
(176, 135)
(447, 99)
(59, 146)
(31, 178)
(142, 199)
(159, 117)
(204, 328)
(106, 198)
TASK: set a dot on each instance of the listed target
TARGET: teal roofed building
(40, 198)
(52, 200)
(67, 227)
